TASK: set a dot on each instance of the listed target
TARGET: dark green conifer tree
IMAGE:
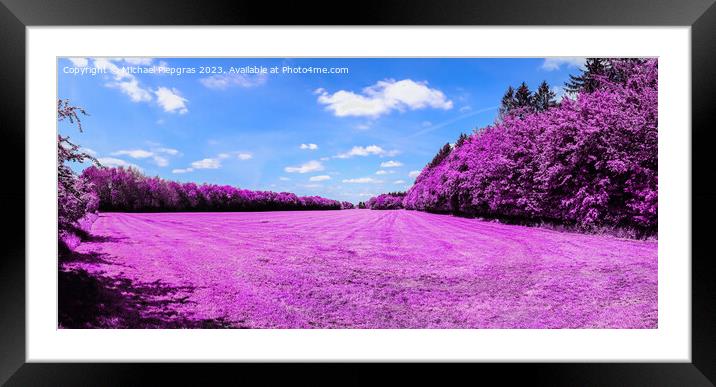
(523, 96)
(544, 98)
(461, 140)
(508, 102)
(440, 156)
(588, 80)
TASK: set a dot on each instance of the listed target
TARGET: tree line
(588, 161)
(128, 190)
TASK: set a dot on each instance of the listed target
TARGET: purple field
(353, 269)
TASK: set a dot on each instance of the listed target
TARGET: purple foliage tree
(590, 162)
(128, 190)
(387, 201)
(75, 197)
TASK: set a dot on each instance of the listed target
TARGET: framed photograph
(452, 183)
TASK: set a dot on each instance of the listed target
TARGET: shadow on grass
(86, 236)
(92, 258)
(89, 300)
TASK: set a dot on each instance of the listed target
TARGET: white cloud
(425, 124)
(399, 182)
(465, 109)
(384, 172)
(239, 155)
(124, 81)
(310, 166)
(170, 100)
(160, 161)
(162, 68)
(135, 92)
(224, 81)
(413, 173)
(391, 164)
(282, 178)
(206, 164)
(362, 126)
(561, 93)
(143, 154)
(309, 146)
(89, 151)
(384, 97)
(113, 162)
(79, 62)
(362, 180)
(106, 64)
(138, 61)
(134, 153)
(319, 178)
(366, 151)
(169, 151)
(551, 64)
(185, 170)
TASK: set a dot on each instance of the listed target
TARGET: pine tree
(544, 98)
(588, 81)
(461, 140)
(441, 155)
(508, 102)
(523, 96)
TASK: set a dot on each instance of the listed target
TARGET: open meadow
(351, 269)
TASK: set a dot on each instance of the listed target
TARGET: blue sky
(365, 127)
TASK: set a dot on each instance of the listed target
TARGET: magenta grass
(373, 269)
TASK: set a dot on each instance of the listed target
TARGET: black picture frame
(15, 15)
